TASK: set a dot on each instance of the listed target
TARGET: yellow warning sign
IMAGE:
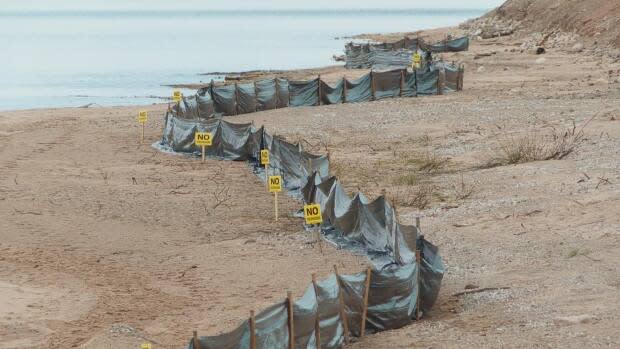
(264, 157)
(203, 138)
(417, 58)
(145, 346)
(142, 116)
(312, 214)
(275, 184)
(177, 96)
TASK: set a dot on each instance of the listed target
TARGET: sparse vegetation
(429, 162)
(463, 190)
(555, 146)
(419, 196)
(408, 179)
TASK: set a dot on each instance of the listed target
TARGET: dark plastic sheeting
(283, 93)
(332, 94)
(304, 317)
(266, 94)
(224, 99)
(387, 84)
(303, 93)
(454, 45)
(205, 105)
(427, 82)
(359, 90)
(332, 329)
(246, 96)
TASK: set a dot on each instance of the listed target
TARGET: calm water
(54, 59)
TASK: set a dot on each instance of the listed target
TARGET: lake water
(73, 58)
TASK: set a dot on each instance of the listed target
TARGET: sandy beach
(108, 243)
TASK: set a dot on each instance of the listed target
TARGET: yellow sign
(176, 96)
(417, 58)
(142, 116)
(275, 184)
(145, 346)
(312, 214)
(264, 157)
(203, 138)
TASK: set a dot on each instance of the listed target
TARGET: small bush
(419, 196)
(555, 146)
(429, 162)
(463, 190)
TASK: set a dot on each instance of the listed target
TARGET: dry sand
(106, 242)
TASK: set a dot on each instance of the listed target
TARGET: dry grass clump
(429, 162)
(407, 179)
(555, 146)
(463, 190)
(419, 196)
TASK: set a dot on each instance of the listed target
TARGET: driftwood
(477, 290)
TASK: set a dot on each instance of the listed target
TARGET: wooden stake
(417, 222)
(291, 325)
(236, 99)
(319, 88)
(343, 312)
(318, 239)
(402, 82)
(417, 305)
(277, 92)
(394, 228)
(365, 304)
(252, 330)
(142, 140)
(255, 99)
(275, 202)
(344, 90)
(317, 323)
(196, 340)
(267, 176)
(372, 85)
(203, 153)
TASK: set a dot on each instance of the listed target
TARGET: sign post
(275, 186)
(177, 96)
(142, 117)
(312, 215)
(264, 160)
(203, 139)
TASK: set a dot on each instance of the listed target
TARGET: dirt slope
(595, 19)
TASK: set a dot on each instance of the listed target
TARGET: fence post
(196, 341)
(255, 97)
(211, 86)
(252, 330)
(402, 82)
(344, 89)
(291, 325)
(394, 228)
(372, 85)
(236, 99)
(319, 88)
(365, 303)
(317, 324)
(277, 92)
